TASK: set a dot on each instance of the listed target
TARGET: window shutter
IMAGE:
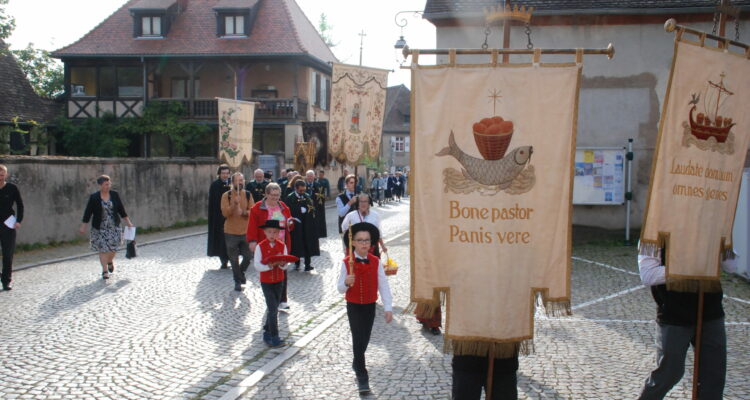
(219, 25)
(136, 25)
(328, 93)
(313, 93)
(324, 94)
(406, 146)
(317, 90)
(246, 29)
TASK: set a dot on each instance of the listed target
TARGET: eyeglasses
(362, 240)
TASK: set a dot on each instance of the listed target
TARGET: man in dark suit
(303, 234)
(257, 187)
(216, 245)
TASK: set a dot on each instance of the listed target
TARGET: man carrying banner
(257, 187)
(235, 206)
(346, 202)
(322, 193)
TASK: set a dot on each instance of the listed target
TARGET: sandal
(105, 275)
(111, 267)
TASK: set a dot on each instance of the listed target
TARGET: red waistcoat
(365, 289)
(276, 274)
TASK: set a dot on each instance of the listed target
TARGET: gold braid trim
(693, 285)
(483, 348)
(426, 308)
(557, 308)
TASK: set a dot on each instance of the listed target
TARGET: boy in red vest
(361, 281)
(271, 279)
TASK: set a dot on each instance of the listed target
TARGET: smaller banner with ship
(698, 162)
(236, 131)
(357, 111)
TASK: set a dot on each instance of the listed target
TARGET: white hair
(310, 172)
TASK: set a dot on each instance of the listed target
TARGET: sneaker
(277, 342)
(284, 307)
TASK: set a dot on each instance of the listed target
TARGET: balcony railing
(292, 108)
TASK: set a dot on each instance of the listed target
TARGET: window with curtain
(151, 26)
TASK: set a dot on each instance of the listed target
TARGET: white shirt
(257, 257)
(383, 287)
(653, 273)
(356, 217)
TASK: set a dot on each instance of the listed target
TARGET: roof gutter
(587, 12)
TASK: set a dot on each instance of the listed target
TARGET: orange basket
(492, 147)
(389, 266)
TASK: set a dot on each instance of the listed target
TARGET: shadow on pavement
(227, 307)
(78, 296)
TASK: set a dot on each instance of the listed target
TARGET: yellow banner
(493, 152)
(357, 112)
(698, 162)
(236, 131)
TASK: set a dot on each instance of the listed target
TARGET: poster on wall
(599, 177)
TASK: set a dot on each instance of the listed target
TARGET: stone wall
(156, 192)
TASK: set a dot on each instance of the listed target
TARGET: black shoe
(6, 286)
(105, 275)
(238, 286)
(363, 385)
(308, 268)
(224, 266)
(296, 267)
(111, 267)
(435, 331)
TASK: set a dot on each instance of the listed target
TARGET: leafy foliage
(7, 23)
(110, 137)
(325, 28)
(43, 72)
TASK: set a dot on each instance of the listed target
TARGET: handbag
(130, 251)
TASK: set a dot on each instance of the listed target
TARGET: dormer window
(234, 25)
(234, 18)
(150, 26)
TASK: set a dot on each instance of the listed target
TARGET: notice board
(599, 176)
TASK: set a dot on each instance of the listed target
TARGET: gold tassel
(482, 348)
(693, 285)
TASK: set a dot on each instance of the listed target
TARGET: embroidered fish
(489, 172)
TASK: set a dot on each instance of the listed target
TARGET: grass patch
(21, 248)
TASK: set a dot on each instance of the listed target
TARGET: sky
(52, 24)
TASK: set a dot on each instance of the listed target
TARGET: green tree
(93, 137)
(164, 118)
(43, 72)
(324, 28)
(7, 22)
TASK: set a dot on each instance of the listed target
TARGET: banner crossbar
(671, 25)
(609, 51)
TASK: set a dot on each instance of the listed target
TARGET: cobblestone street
(169, 325)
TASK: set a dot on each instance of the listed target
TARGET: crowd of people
(279, 224)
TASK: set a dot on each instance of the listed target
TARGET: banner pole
(490, 372)
(629, 192)
(698, 331)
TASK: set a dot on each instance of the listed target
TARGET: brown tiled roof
(397, 107)
(18, 97)
(436, 7)
(280, 28)
(153, 4)
(235, 4)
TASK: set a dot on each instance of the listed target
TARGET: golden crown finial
(515, 13)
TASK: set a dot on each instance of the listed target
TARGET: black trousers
(8, 243)
(470, 376)
(272, 293)
(361, 318)
(236, 247)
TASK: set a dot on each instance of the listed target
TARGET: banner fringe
(482, 348)
(650, 248)
(693, 285)
(557, 308)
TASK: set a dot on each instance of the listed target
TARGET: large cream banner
(698, 162)
(236, 131)
(357, 112)
(493, 152)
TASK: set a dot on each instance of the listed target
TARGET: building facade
(396, 126)
(193, 51)
(620, 98)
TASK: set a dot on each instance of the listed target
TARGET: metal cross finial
(361, 43)
(495, 96)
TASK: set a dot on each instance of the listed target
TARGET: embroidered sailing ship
(710, 123)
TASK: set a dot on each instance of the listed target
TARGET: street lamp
(401, 42)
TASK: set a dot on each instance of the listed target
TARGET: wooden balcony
(267, 109)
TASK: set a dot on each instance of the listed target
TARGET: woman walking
(107, 210)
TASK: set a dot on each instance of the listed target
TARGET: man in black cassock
(257, 187)
(321, 194)
(304, 237)
(216, 246)
(312, 190)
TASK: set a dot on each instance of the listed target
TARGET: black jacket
(94, 207)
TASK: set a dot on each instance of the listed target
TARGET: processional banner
(236, 131)
(493, 150)
(317, 133)
(357, 111)
(698, 162)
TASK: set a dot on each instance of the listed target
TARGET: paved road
(169, 325)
